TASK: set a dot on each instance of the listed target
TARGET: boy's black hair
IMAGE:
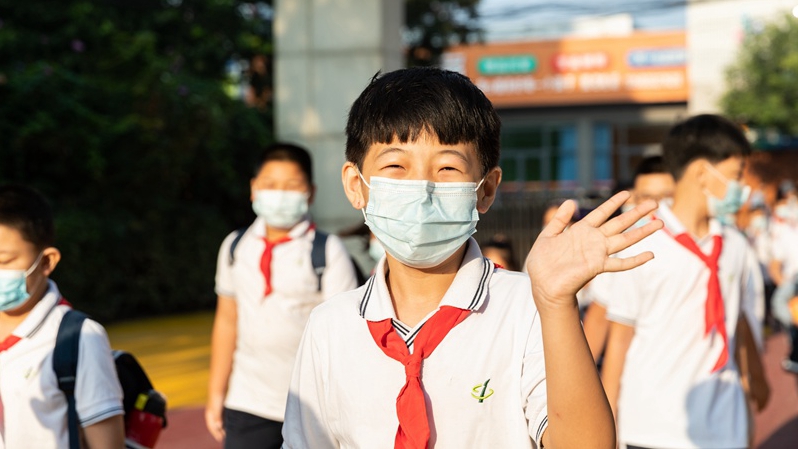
(407, 103)
(652, 165)
(283, 151)
(706, 136)
(27, 211)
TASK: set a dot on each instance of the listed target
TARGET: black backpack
(318, 255)
(138, 392)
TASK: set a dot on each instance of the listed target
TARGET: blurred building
(581, 110)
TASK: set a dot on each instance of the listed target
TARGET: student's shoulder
(510, 289)
(339, 309)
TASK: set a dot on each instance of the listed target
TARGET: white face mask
(421, 223)
(376, 251)
(280, 209)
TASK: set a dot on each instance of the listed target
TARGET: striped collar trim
(468, 290)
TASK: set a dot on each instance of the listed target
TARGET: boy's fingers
(620, 242)
(561, 219)
(600, 214)
(627, 219)
(613, 264)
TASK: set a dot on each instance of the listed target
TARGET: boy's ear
(353, 186)
(312, 195)
(50, 258)
(486, 194)
(252, 190)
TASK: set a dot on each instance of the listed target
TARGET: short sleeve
(623, 305)
(533, 384)
(305, 425)
(599, 290)
(753, 296)
(224, 270)
(98, 395)
(339, 273)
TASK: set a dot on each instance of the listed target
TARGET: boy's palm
(563, 260)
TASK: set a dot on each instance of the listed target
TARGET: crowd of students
(443, 346)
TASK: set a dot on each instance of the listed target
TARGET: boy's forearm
(578, 412)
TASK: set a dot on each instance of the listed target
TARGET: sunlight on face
(281, 175)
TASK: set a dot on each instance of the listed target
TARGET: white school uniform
(270, 327)
(785, 248)
(34, 410)
(343, 393)
(669, 396)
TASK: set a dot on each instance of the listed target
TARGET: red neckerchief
(411, 409)
(714, 308)
(266, 258)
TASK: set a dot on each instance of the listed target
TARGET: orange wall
(640, 68)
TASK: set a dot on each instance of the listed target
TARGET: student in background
(784, 269)
(267, 285)
(652, 181)
(33, 413)
(499, 249)
(669, 368)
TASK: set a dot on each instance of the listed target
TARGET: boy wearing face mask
(669, 367)
(441, 348)
(266, 286)
(33, 410)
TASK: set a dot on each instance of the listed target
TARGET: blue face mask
(421, 223)
(280, 209)
(14, 287)
(724, 209)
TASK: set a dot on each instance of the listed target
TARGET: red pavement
(776, 426)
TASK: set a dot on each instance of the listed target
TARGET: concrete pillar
(326, 51)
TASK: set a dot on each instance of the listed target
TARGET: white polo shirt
(785, 248)
(270, 328)
(34, 409)
(344, 389)
(669, 396)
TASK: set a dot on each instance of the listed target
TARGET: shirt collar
(40, 311)
(468, 290)
(259, 227)
(674, 227)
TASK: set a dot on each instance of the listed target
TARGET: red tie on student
(413, 432)
(266, 262)
(714, 310)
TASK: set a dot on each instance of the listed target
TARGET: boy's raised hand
(562, 261)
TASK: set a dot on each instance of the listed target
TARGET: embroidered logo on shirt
(481, 391)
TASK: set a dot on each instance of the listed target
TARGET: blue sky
(510, 19)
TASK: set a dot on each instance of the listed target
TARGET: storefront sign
(640, 68)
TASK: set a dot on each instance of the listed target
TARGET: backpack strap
(232, 256)
(318, 254)
(65, 365)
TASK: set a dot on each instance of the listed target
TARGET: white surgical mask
(376, 251)
(421, 223)
(280, 209)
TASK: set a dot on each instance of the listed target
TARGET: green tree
(433, 25)
(116, 111)
(762, 82)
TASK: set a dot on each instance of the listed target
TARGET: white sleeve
(778, 250)
(305, 425)
(623, 295)
(339, 272)
(98, 395)
(753, 297)
(533, 384)
(224, 270)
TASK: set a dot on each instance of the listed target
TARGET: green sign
(507, 65)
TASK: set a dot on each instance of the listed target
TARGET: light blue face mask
(421, 223)
(14, 287)
(724, 209)
(280, 209)
(376, 251)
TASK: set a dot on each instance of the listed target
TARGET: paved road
(175, 352)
